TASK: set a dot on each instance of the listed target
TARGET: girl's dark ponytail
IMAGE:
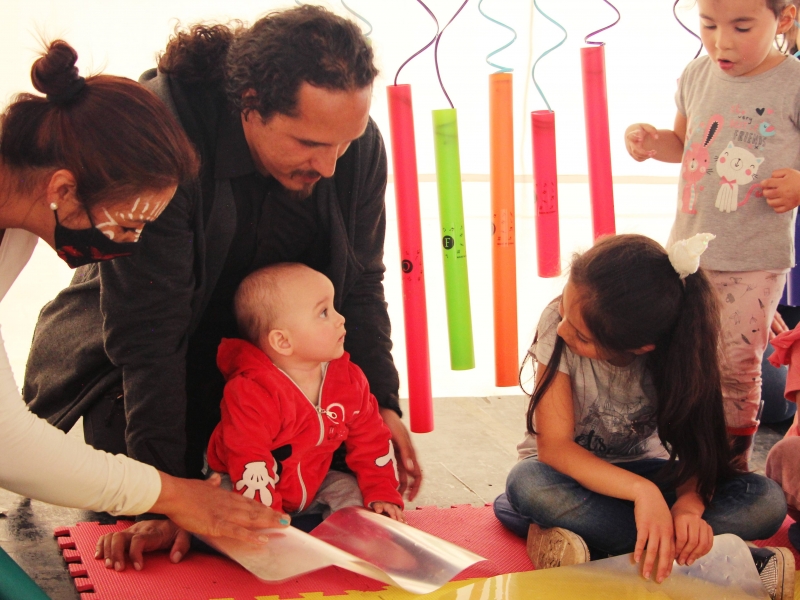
(686, 373)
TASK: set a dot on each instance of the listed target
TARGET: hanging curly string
(425, 47)
(436, 53)
(500, 68)
(546, 52)
(675, 12)
(586, 40)
(359, 17)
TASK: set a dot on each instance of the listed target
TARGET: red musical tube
(406, 186)
(595, 104)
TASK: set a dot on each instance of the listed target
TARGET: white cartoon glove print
(384, 460)
(256, 478)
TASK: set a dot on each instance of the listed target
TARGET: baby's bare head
(265, 296)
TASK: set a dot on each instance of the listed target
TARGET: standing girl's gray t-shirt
(615, 407)
(738, 131)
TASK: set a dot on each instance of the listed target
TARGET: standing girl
(626, 447)
(737, 133)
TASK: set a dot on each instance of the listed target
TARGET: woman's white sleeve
(42, 462)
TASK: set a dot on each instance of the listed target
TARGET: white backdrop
(645, 54)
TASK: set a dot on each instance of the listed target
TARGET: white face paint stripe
(158, 208)
(148, 213)
(110, 223)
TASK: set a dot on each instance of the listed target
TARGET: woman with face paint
(86, 169)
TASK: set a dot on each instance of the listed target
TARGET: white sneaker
(555, 547)
(776, 568)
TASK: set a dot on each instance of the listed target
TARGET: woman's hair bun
(55, 73)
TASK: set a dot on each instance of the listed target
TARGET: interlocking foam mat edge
(211, 577)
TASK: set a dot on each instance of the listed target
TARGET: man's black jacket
(125, 324)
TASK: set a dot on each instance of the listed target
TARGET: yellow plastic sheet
(726, 573)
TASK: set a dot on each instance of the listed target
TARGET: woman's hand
(654, 530)
(203, 507)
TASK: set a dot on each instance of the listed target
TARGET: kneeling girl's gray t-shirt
(615, 407)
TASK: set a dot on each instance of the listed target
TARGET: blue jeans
(774, 406)
(750, 506)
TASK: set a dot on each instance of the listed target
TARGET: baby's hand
(640, 140)
(782, 190)
(390, 510)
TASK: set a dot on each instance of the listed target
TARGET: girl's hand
(782, 190)
(693, 536)
(778, 327)
(654, 530)
(640, 140)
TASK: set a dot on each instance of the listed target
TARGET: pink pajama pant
(748, 300)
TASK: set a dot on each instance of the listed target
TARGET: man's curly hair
(274, 57)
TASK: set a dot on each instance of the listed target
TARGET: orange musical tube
(504, 260)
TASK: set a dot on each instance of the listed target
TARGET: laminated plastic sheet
(725, 573)
(357, 540)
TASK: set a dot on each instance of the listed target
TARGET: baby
(292, 397)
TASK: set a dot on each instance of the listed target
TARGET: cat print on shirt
(735, 166)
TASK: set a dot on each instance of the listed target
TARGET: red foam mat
(204, 577)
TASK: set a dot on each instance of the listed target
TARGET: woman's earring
(53, 206)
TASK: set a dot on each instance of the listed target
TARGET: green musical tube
(454, 242)
(15, 583)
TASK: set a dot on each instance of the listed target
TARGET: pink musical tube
(548, 251)
(406, 186)
(595, 104)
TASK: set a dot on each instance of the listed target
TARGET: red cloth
(277, 446)
(787, 352)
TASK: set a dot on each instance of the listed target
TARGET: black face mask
(78, 247)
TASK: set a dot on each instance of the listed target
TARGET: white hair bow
(685, 254)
